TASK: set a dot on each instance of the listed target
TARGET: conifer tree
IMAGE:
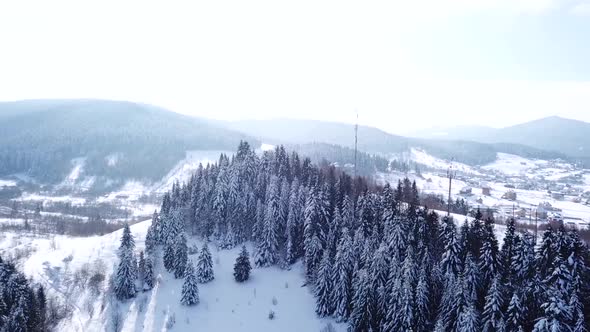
(242, 267)
(205, 265)
(323, 287)
(343, 272)
(141, 267)
(360, 319)
(190, 287)
(514, 314)
(180, 256)
(127, 241)
(125, 279)
(492, 313)
(148, 277)
(268, 247)
(169, 256)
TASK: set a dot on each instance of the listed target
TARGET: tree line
(373, 256)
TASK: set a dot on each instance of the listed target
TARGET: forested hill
(374, 140)
(372, 257)
(119, 139)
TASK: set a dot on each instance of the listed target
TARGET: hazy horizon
(403, 66)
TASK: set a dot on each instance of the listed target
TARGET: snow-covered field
(225, 305)
(7, 183)
(186, 167)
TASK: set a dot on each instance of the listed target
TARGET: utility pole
(536, 229)
(356, 130)
(451, 175)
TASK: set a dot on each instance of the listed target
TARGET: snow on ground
(266, 147)
(225, 305)
(421, 157)
(7, 183)
(185, 168)
(131, 190)
(512, 164)
(49, 199)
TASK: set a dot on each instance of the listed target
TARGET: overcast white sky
(403, 64)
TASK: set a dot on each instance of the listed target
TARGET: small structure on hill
(467, 191)
(510, 195)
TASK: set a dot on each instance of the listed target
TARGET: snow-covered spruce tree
(295, 223)
(125, 279)
(150, 239)
(469, 319)
(323, 287)
(180, 255)
(148, 277)
(489, 264)
(267, 248)
(190, 287)
(492, 316)
(508, 247)
(451, 259)
(313, 235)
(169, 256)
(423, 303)
(577, 308)
(343, 272)
(141, 268)
(514, 314)
(242, 267)
(360, 319)
(205, 265)
(127, 241)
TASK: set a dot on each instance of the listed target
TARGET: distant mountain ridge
(567, 136)
(374, 140)
(41, 137)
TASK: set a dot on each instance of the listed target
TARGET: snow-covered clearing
(512, 164)
(185, 168)
(225, 305)
(422, 157)
(7, 183)
(49, 199)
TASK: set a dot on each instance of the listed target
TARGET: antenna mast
(356, 129)
(451, 175)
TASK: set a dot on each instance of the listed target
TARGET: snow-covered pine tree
(313, 235)
(141, 268)
(360, 319)
(577, 308)
(148, 277)
(508, 247)
(295, 223)
(127, 241)
(125, 279)
(489, 264)
(150, 239)
(469, 318)
(451, 259)
(205, 265)
(323, 287)
(267, 250)
(17, 319)
(423, 303)
(169, 257)
(514, 314)
(180, 256)
(242, 267)
(557, 313)
(343, 272)
(190, 287)
(492, 313)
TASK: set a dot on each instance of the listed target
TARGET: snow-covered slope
(225, 305)
(186, 167)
